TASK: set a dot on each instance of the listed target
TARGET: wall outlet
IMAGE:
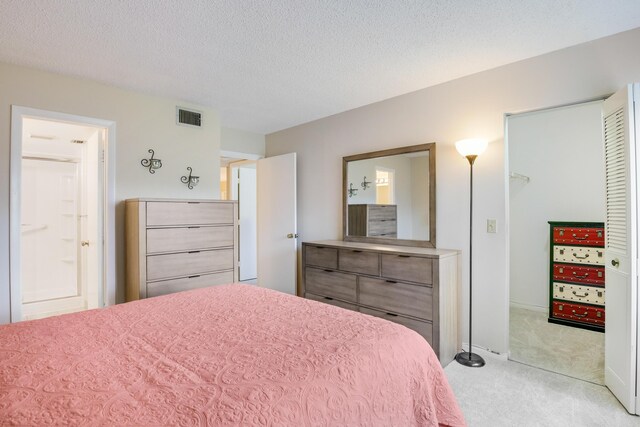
(492, 226)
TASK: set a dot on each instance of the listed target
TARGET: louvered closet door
(621, 249)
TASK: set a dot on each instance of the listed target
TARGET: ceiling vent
(188, 118)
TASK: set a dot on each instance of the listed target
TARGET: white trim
(18, 113)
(536, 308)
(239, 155)
(486, 353)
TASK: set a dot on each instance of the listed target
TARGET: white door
(50, 233)
(621, 246)
(247, 212)
(277, 223)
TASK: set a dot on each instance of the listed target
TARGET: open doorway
(238, 181)
(61, 217)
(557, 185)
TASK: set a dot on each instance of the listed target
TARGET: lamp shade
(471, 147)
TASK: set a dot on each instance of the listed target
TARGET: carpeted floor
(569, 351)
(506, 393)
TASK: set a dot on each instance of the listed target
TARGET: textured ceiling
(268, 65)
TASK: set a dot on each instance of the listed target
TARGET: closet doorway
(60, 218)
(556, 173)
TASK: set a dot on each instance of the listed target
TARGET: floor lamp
(471, 149)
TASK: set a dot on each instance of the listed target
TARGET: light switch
(492, 226)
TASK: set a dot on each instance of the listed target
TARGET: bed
(224, 355)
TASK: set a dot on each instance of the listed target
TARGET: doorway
(238, 181)
(556, 173)
(61, 217)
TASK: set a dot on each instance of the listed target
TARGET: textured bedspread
(228, 355)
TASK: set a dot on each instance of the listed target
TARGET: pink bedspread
(228, 355)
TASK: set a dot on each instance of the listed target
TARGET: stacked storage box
(576, 284)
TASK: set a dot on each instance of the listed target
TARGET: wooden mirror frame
(431, 243)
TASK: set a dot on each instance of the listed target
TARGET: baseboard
(485, 352)
(529, 307)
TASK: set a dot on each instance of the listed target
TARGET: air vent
(188, 118)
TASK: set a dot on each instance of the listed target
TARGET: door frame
(18, 113)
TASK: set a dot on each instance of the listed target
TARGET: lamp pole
(468, 358)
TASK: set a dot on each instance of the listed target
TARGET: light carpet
(570, 351)
(506, 393)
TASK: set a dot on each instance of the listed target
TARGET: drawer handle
(194, 252)
(355, 251)
(404, 256)
(580, 276)
(580, 315)
(392, 314)
(580, 257)
(193, 203)
(586, 236)
(383, 234)
(330, 299)
(586, 294)
(194, 276)
(194, 226)
(329, 271)
(391, 281)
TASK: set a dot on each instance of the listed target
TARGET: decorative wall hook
(365, 184)
(190, 180)
(151, 163)
(352, 191)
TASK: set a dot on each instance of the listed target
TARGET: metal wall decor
(352, 191)
(365, 184)
(190, 180)
(151, 163)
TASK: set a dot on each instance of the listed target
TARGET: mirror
(389, 196)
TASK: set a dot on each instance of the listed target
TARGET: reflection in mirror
(389, 196)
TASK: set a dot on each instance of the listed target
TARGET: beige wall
(142, 122)
(473, 106)
(241, 141)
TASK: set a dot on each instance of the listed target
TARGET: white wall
(241, 141)
(420, 197)
(142, 122)
(472, 106)
(561, 150)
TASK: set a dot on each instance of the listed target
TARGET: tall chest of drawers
(415, 287)
(577, 275)
(175, 245)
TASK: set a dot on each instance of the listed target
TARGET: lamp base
(470, 359)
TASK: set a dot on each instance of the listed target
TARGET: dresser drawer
(330, 283)
(357, 261)
(188, 263)
(164, 287)
(192, 213)
(382, 212)
(423, 328)
(382, 228)
(321, 257)
(401, 298)
(578, 236)
(331, 301)
(578, 255)
(188, 238)
(578, 293)
(407, 268)
(578, 313)
(579, 274)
